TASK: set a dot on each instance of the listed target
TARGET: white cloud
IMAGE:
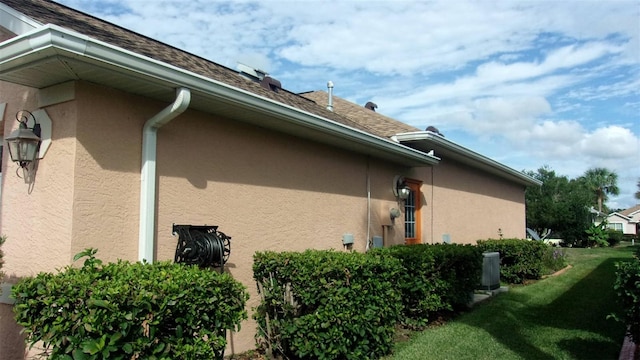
(611, 142)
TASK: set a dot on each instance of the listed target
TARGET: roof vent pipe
(330, 88)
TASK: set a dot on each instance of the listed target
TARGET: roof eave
(431, 139)
(50, 42)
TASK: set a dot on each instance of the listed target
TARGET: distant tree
(602, 183)
(638, 192)
(560, 204)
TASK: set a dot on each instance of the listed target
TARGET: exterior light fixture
(400, 188)
(24, 142)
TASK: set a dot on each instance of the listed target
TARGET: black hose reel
(203, 245)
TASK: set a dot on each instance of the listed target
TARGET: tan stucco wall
(266, 190)
(37, 217)
(468, 204)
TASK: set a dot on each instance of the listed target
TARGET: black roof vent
(434, 129)
(270, 83)
(371, 106)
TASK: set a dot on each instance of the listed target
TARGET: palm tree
(638, 192)
(602, 183)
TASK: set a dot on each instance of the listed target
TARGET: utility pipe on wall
(148, 171)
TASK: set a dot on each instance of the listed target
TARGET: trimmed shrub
(130, 311)
(520, 260)
(436, 279)
(614, 237)
(326, 304)
(627, 287)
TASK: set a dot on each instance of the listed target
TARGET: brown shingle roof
(379, 124)
(630, 210)
(48, 12)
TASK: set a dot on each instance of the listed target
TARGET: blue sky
(527, 83)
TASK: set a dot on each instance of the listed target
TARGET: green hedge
(614, 237)
(520, 260)
(627, 287)
(130, 311)
(326, 304)
(436, 278)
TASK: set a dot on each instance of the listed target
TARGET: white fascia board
(439, 140)
(15, 21)
(66, 42)
(615, 214)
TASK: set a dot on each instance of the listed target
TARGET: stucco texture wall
(468, 204)
(35, 217)
(266, 190)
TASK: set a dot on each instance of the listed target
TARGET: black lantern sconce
(24, 142)
(400, 188)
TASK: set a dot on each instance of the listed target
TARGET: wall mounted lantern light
(24, 142)
(400, 188)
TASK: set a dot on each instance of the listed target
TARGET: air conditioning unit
(490, 271)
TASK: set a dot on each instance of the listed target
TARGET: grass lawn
(561, 317)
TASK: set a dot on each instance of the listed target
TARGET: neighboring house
(627, 221)
(138, 136)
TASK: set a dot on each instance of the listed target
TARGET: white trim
(15, 21)
(439, 140)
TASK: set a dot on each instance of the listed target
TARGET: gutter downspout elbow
(146, 237)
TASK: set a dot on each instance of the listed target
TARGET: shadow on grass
(580, 310)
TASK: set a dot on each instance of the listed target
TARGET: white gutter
(148, 172)
(438, 140)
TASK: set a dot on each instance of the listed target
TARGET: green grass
(561, 317)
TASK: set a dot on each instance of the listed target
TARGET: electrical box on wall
(347, 239)
(377, 242)
(446, 239)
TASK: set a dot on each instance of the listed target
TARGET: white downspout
(148, 171)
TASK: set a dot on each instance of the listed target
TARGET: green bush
(436, 279)
(614, 237)
(520, 260)
(326, 304)
(130, 311)
(627, 287)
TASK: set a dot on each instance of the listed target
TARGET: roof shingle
(378, 124)
(48, 12)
